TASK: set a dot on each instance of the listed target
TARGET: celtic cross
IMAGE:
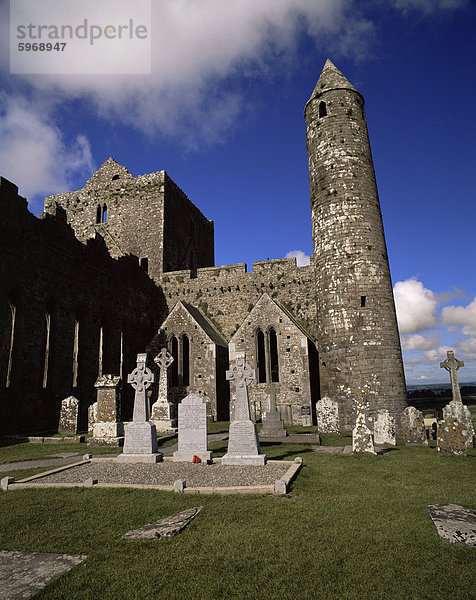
(163, 360)
(452, 364)
(241, 375)
(140, 379)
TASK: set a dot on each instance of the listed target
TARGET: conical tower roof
(331, 79)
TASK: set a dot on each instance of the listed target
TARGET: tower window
(363, 299)
(101, 214)
(115, 177)
(144, 263)
(104, 214)
(322, 109)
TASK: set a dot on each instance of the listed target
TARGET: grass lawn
(353, 527)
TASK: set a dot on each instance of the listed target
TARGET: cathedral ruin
(126, 265)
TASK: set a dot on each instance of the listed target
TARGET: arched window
(185, 361)
(75, 353)
(273, 355)
(101, 350)
(99, 214)
(104, 214)
(7, 345)
(174, 366)
(322, 109)
(46, 348)
(261, 356)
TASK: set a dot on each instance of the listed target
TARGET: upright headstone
(161, 411)
(92, 416)
(327, 412)
(68, 422)
(413, 427)
(243, 444)
(459, 411)
(108, 428)
(140, 445)
(384, 429)
(456, 408)
(452, 437)
(361, 434)
(192, 430)
(273, 426)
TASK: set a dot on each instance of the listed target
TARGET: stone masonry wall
(227, 293)
(44, 271)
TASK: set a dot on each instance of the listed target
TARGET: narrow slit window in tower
(144, 263)
(75, 353)
(322, 109)
(99, 214)
(363, 300)
(261, 357)
(104, 214)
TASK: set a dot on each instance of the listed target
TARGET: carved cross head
(240, 373)
(141, 377)
(164, 359)
(451, 363)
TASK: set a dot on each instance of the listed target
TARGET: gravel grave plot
(165, 473)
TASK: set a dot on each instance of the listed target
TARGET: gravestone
(92, 416)
(140, 444)
(456, 408)
(361, 434)
(327, 412)
(384, 429)
(162, 409)
(273, 426)
(413, 427)
(192, 430)
(68, 422)
(452, 437)
(459, 411)
(108, 428)
(454, 523)
(243, 444)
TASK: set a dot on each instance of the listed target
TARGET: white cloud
(437, 354)
(302, 259)
(415, 306)
(418, 342)
(464, 316)
(33, 153)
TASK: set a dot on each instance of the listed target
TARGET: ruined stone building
(126, 264)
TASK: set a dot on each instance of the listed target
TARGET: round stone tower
(358, 339)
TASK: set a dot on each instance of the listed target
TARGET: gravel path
(165, 473)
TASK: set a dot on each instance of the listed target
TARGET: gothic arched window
(185, 361)
(273, 355)
(261, 356)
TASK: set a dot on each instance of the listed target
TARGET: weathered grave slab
(192, 430)
(327, 413)
(23, 574)
(459, 411)
(454, 523)
(361, 435)
(452, 438)
(108, 429)
(413, 427)
(69, 413)
(165, 528)
(273, 426)
(384, 429)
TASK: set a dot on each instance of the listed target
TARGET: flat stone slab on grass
(165, 528)
(454, 523)
(23, 574)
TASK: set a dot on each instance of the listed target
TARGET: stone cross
(140, 379)
(241, 375)
(163, 360)
(452, 364)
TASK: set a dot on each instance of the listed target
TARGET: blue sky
(222, 113)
